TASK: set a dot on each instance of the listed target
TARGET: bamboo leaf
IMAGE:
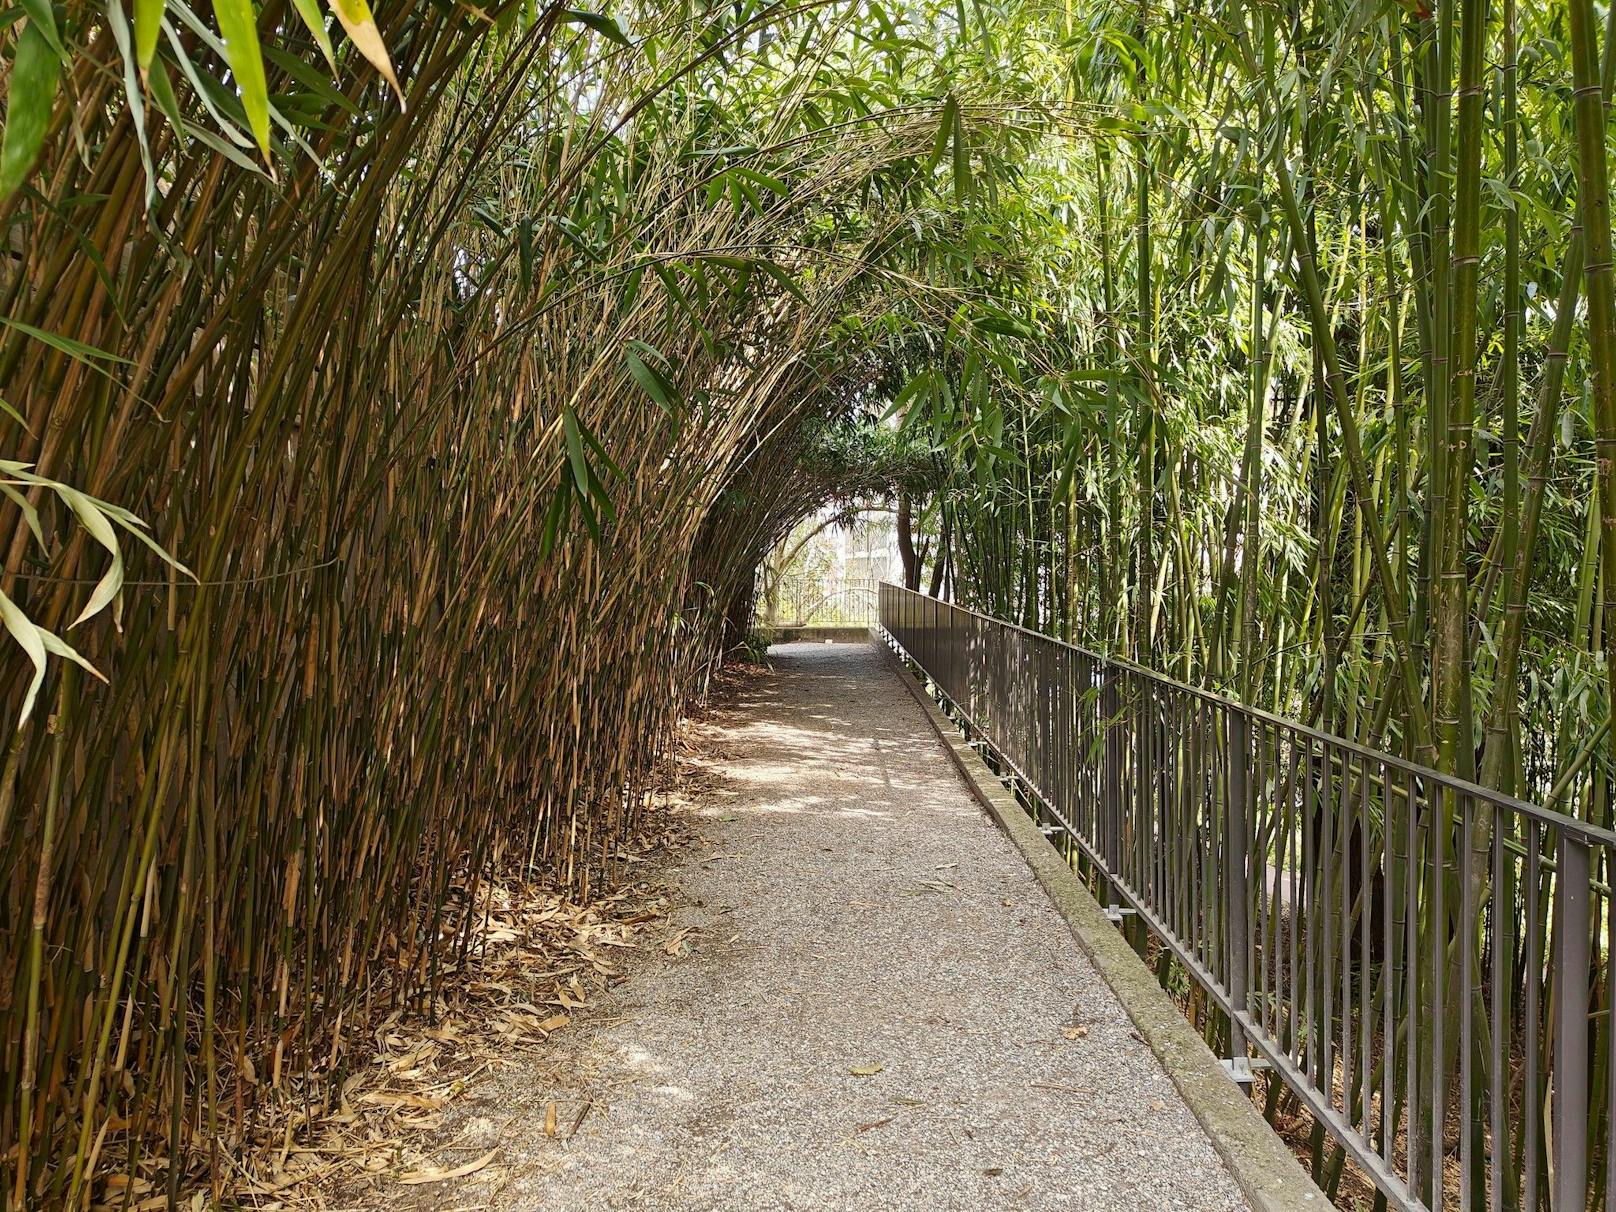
(962, 161)
(28, 639)
(945, 131)
(95, 522)
(239, 25)
(30, 97)
(122, 36)
(599, 22)
(641, 360)
(786, 281)
(10, 411)
(41, 14)
(356, 20)
(555, 519)
(309, 11)
(162, 91)
(59, 647)
(148, 25)
(76, 350)
(36, 643)
(773, 184)
(29, 513)
(575, 449)
(188, 69)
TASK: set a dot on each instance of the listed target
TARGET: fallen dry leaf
(550, 1120)
(578, 1120)
(866, 1070)
(1076, 1033)
(389, 1098)
(417, 1177)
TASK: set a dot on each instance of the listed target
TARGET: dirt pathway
(864, 1002)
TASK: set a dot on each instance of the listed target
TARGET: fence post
(1571, 1060)
(1237, 862)
(1111, 721)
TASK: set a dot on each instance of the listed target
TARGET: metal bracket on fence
(1243, 1069)
(1050, 830)
(1115, 913)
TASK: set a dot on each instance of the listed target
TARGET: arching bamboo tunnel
(396, 407)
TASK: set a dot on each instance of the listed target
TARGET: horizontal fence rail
(1424, 963)
(822, 601)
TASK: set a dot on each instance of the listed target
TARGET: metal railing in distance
(1424, 963)
(823, 601)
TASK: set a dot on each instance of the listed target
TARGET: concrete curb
(1260, 1163)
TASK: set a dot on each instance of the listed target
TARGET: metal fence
(824, 602)
(1424, 963)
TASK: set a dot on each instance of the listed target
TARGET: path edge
(1260, 1163)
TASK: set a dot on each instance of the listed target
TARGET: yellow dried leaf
(867, 1070)
(388, 1098)
(437, 1176)
(356, 19)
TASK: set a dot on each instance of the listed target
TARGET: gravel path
(878, 1007)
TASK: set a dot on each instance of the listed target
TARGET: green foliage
(476, 418)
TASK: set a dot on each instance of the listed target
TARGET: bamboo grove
(1318, 397)
(440, 434)
(1320, 412)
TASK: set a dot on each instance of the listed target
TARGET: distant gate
(824, 602)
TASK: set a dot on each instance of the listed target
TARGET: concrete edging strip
(1259, 1161)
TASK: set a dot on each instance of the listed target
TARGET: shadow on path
(874, 1005)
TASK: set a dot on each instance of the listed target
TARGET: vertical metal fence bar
(1533, 963)
(1437, 803)
(1411, 969)
(1310, 890)
(1196, 817)
(1365, 902)
(1327, 924)
(1389, 968)
(1467, 1025)
(1571, 1057)
(1237, 855)
(1343, 860)
(1609, 968)
(1296, 891)
(1164, 799)
(1498, 1024)
(1262, 849)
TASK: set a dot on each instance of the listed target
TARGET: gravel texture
(851, 909)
